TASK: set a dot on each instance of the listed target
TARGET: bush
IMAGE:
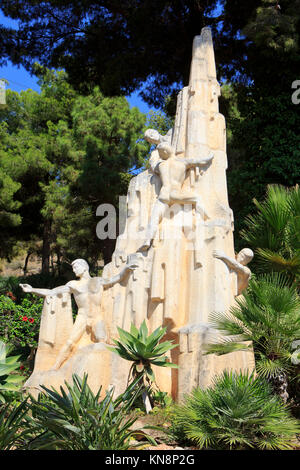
(10, 284)
(267, 316)
(143, 351)
(20, 323)
(237, 412)
(273, 232)
(79, 420)
(10, 381)
(13, 426)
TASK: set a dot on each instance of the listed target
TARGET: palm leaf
(239, 411)
(226, 347)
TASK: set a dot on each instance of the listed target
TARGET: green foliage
(266, 315)
(143, 350)
(20, 323)
(274, 231)
(237, 412)
(275, 31)
(162, 120)
(263, 146)
(77, 419)
(34, 152)
(154, 55)
(107, 134)
(61, 155)
(9, 285)
(162, 399)
(9, 218)
(10, 381)
(125, 34)
(13, 430)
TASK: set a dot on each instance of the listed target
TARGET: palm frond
(273, 232)
(266, 316)
(239, 411)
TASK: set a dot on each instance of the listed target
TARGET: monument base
(95, 360)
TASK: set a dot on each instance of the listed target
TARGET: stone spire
(188, 271)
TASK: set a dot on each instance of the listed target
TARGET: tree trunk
(58, 261)
(26, 262)
(52, 263)
(31, 358)
(108, 247)
(46, 251)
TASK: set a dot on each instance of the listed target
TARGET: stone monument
(173, 265)
(66, 347)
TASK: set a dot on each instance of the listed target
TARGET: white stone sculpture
(155, 138)
(179, 279)
(239, 266)
(172, 172)
(87, 292)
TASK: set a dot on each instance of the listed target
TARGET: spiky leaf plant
(143, 351)
(14, 430)
(10, 380)
(78, 419)
(273, 232)
(267, 317)
(237, 412)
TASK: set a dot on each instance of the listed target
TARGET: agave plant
(10, 381)
(144, 352)
(273, 232)
(237, 412)
(267, 316)
(77, 419)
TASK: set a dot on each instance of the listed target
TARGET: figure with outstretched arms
(87, 292)
(238, 265)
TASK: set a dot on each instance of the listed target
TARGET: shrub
(10, 381)
(20, 323)
(13, 426)
(267, 316)
(9, 284)
(79, 420)
(273, 231)
(144, 351)
(237, 412)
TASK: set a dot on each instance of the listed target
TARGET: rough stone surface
(179, 231)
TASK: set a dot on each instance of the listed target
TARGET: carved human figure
(172, 171)
(155, 138)
(87, 292)
(238, 265)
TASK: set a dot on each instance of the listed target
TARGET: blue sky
(19, 79)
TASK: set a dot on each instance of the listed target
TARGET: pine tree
(61, 155)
